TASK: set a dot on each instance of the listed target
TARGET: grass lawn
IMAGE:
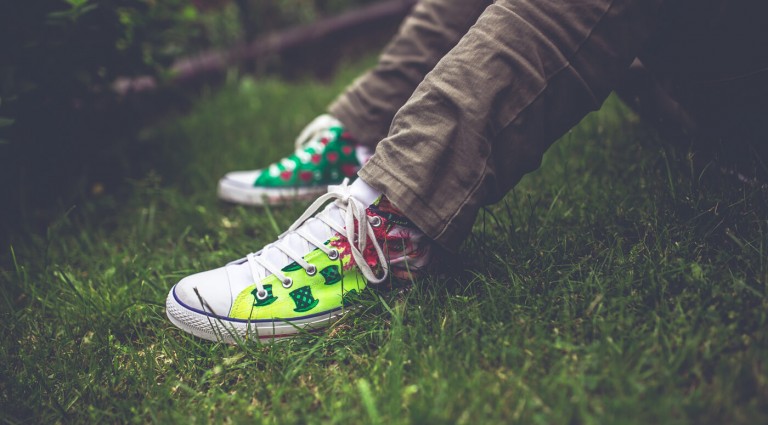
(615, 285)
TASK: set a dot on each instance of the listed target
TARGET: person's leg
(432, 28)
(334, 147)
(525, 73)
(521, 77)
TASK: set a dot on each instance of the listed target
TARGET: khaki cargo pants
(470, 93)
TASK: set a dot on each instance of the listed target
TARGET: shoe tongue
(294, 243)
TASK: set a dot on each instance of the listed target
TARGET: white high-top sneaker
(303, 279)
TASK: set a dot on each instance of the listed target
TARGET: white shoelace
(352, 211)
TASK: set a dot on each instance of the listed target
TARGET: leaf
(5, 121)
(189, 13)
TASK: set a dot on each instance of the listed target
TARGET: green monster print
(291, 267)
(331, 275)
(304, 299)
(266, 301)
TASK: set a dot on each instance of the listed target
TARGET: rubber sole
(220, 329)
(236, 192)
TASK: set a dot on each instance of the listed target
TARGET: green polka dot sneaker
(325, 154)
(305, 278)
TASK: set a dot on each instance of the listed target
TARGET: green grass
(614, 285)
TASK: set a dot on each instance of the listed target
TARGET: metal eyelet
(261, 295)
(287, 283)
(376, 221)
(334, 254)
(311, 271)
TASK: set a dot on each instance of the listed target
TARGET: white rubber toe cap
(208, 292)
(242, 178)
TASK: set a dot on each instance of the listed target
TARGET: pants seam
(567, 64)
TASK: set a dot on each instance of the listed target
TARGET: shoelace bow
(357, 229)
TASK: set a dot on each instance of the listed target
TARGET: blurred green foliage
(59, 59)
(65, 50)
(261, 16)
(62, 126)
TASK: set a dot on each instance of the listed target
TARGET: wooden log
(214, 63)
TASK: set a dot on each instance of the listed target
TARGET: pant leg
(433, 27)
(521, 77)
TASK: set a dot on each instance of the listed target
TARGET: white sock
(363, 192)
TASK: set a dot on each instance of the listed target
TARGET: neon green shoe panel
(307, 295)
(326, 161)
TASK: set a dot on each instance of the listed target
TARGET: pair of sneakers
(349, 237)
